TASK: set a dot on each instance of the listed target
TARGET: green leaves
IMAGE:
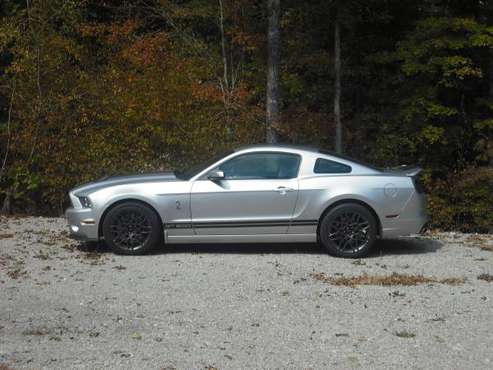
(441, 47)
(432, 134)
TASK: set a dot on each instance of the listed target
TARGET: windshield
(196, 169)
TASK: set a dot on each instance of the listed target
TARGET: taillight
(418, 184)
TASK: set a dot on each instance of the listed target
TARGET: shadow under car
(398, 246)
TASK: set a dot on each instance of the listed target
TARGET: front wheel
(348, 230)
(132, 228)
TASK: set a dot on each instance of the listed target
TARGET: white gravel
(63, 305)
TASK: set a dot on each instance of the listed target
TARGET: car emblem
(390, 190)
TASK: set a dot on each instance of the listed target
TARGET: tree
(337, 80)
(272, 105)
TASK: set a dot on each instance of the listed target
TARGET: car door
(257, 195)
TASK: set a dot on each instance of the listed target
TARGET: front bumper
(82, 224)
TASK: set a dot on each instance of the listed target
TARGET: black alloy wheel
(132, 228)
(348, 230)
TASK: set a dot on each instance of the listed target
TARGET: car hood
(108, 181)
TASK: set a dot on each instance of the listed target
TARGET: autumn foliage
(92, 88)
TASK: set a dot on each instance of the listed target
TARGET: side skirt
(260, 238)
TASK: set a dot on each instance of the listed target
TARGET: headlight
(85, 202)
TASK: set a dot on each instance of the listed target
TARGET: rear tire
(348, 230)
(132, 228)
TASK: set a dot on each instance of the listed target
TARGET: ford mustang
(256, 194)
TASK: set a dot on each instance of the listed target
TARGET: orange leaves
(206, 91)
(241, 94)
(111, 33)
(248, 41)
(117, 96)
(141, 50)
(63, 44)
(147, 50)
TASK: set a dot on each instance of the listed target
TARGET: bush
(463, 201)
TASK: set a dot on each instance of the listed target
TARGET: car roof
(279, 146)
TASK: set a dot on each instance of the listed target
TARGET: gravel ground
(67, 305)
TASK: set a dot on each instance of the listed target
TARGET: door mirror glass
(216, 175)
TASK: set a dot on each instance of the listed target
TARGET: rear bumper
(410, 221)
(82, 224)
(404, 227)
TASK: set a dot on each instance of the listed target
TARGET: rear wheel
(132, 228)
(348, 230)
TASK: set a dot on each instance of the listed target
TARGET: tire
(348, 230)
(132, 228)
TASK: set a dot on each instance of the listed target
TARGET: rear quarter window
(327, 166)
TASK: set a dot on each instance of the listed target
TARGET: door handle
(283, 190)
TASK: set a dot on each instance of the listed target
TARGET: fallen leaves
(384, 280)
(36, 331)
(16, 274)
(481, 241)
(486, 277)
(91, 258)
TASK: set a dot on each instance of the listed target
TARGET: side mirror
(216, 176)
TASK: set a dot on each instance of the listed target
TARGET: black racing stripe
(211, 225)
(178, 225)
(304, 222)
(214, 225)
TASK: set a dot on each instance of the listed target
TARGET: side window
(261, 166)
(326, 166)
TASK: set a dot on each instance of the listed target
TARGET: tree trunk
(7, 147)
(337, 82)
(6, 207)
(491, 74)
(272, 119)
(490, 95)
(223, 45)
(226, 85)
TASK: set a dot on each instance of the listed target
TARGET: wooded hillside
(90, 88)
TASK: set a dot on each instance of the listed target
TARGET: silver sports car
(255, 194)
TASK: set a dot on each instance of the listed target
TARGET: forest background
(92, 88)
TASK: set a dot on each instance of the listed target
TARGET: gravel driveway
(64, 305)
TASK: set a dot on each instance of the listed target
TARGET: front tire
(348, 230)
(132, 228)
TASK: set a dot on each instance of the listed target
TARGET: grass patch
(486, 277)
(359, 263)
(405, 334)
(388, 280)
